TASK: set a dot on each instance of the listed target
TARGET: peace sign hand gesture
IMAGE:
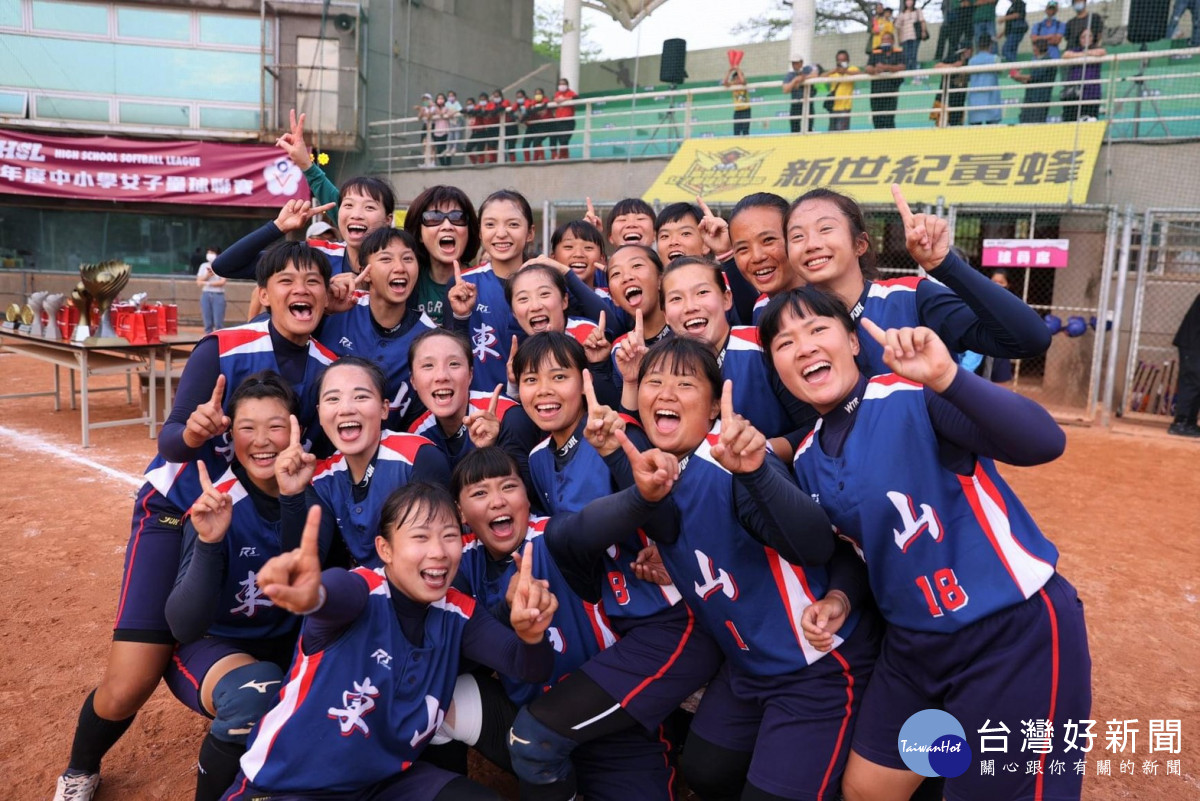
(926, 236)
(294, 467)
(592, 217)
(533, 605)
(462, 295)
(916, 354)
(483, 427)
(296, 213)
(342, 289)
(213, 510)
(714, 230)
(293, 580)
(292, 142)
(741, 447)
(208, 420)
(596, 345)
(602, 422)
(654, 472)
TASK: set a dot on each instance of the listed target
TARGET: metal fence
(1167, 246)
(1144, 95)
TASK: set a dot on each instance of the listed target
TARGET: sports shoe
(1181, 429)
(77, 786)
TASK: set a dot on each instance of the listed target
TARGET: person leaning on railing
(884, 61)
(841, 95)
(1081, 95)
(954, 89)
(1039, 86)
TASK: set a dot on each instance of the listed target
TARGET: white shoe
(77, 787)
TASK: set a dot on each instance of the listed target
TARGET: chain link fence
(1166, 244)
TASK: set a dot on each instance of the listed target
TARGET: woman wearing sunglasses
(445, 226)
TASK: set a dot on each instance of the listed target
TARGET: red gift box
(168, 318)
(67, 318)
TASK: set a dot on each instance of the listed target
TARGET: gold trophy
(82, 301)
(26, 320)
(12, 316)
(52, 304)
(104, 281)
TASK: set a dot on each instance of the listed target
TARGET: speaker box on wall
(672, 68)
(1148, 20)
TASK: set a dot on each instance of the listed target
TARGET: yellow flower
(322, 159)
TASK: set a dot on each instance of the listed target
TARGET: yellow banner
(968, 164)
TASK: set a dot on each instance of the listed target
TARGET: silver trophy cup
(37, 302)
(52, 304)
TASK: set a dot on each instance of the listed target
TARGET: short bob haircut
(260, 385)
(459, 338)
(801, 302)
(377, 189)
(281, 255)
(417, 503)
(674, 212)
(481, 464)
(379, 240)
(560, 282)
(549, 347)
(630, 205)
(580, 229)
(431, 198)
(684, 356)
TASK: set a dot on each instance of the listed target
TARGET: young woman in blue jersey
(580, 246)
(377, 660)
(661, 658)
(760, 247)
(750, 553)
(381, 325)
(495, 510)
(234, 644)
(370, 461)
(292, 282)
(635, 283)
(478, 296)
(980, 622)
(828, 245)
(444, 224)
(695, 302)
(458, 419)
(539, 300)
(630, 222)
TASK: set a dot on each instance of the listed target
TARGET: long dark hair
(853, 213)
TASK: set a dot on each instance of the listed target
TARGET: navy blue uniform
(981, 624)
(458, 445)
(491, 328)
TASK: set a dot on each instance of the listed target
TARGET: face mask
(885, 47)
(538, 96)
(562, 87)
(1079, 6)
(210, 255)
(495, 98)
(843, 64)
(452, 98)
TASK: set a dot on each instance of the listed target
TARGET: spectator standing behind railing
(911, 28)
(983, 100)
(954, 88)
(425, 116)
(474, 118)
(878, 26)
(564, 120)
(1050, 29)
(1177, 14)
(1039, 86)
(943, 41)
(440, 129)
(735, 80)
(1015, 28)
(1081, 95)
(793, 84)
(536, 115)
(983, 20)
(885, 61)
(514, 115)
(492, 112)
(454, 110)
(1084, 20)
(841, 97)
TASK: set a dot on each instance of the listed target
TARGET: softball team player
(380, 326)
(981, 624)
(235, 644)
(829, 247)
(378, 656)
(370, 461)
(760, 247)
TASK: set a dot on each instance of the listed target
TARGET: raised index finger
(205, 482)
(457, 273)
(639, 328)
(495, 403)
(631, 451)
(527, 563)
(875, 331)
(591, 210)
(312, 532)
(600, 324)
(704, 207)
(295, 437)
(905, 212)
(727, 413)
(589, 390)
(219, 390)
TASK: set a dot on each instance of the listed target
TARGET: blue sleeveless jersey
(754, 398)
(579, 630)
(491, 329)
(427, 424)
(748, 597)
(352, 333)
(335, 252)
(358, 522)
(583, 479)
(942, 550)
(363, 709)
(244, 612)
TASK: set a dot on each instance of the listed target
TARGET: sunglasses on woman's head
(435, 217)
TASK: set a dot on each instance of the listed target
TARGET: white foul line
(28, 442)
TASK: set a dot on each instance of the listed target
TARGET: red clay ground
(1123, 507)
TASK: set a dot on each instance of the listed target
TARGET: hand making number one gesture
(654, 471)
(293, 580)
(603, 421)
(916, 354)
(592, 217)
(533, 605)
(741, 447)
(208, 420)
(927, 236)
(462, 295)
(714, 230)
(596, 344)
(294, 467)
(213, 510)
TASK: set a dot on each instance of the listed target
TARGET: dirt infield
(1123, 507)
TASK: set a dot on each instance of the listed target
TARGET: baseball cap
(316, 229)
(1052, 4)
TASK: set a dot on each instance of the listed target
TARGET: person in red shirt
(563, 126)
(493, 109)
(536, 120)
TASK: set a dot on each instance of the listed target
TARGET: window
(154, 114)
(138, 23)
(70, 17)
(70, 108)
(10, 14)
(223, 30)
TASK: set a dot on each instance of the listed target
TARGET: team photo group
(685, 504)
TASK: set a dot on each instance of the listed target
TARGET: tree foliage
(832, 16)
(548, 31)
